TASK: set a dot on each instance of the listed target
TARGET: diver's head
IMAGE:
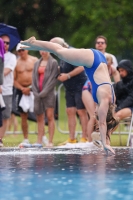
(60, 41)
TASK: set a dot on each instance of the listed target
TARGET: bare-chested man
(23, 81)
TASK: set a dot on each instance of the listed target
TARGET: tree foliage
(112, 19)
(45, 17)
(79, 22)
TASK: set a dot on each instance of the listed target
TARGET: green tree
(112, 19)
(45, 17)
(79, 22)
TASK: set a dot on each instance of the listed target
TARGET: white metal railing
(20, 131)
(64, 127)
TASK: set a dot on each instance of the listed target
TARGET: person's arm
(115, 63)
(16, 83)
(128, 102)
(7, 71)
(51, 82)
(10, 64)
(76, 57)
(115, 74)
(34, 84)
(65, 76)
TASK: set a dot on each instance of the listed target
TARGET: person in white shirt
(101, 45)
(7, 87)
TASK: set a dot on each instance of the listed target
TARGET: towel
(2, 107)
(2, 103)
(27, 102)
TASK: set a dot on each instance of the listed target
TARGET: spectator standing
(7, 86)
(101, 45)
(73, 79)
(22, 83)
(43, 87)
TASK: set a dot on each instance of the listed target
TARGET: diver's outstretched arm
(77, 57)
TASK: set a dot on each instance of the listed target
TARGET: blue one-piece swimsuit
(98, 58)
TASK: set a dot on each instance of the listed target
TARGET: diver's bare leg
(90, 107)
(77, 57)
(102, 114)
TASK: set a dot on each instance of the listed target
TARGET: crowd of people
(97, 89)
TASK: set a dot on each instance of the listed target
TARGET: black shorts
(18, 96)
(74, 99)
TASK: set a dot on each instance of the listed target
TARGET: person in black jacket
(124, 90)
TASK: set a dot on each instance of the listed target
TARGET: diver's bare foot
(28, 41)
(108, 148)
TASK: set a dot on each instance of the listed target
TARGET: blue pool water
(67, 174)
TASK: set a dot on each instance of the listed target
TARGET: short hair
(101, 36)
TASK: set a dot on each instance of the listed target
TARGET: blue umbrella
(12, 32)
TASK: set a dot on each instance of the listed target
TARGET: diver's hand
(108, 148)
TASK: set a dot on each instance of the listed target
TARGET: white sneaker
(45, 140)
(24, 143)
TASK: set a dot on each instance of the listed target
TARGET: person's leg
(123, 113)
(71, 113)
(40, 127)
(6, 115)
(102, 114)
(81, 111)
(77, 57)
(3, 128)
(24, 124)
(51, 123)
(84, 120)
(90, 107)
(3, 131)
(9, 123)
(13, 122)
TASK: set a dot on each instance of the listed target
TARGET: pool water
(67, 174)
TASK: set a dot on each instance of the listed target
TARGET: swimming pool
(63, 174)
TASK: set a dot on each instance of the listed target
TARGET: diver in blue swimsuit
(98, 58)
(97, 71)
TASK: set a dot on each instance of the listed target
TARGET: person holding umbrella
(7, 86)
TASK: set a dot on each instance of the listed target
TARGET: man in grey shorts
(7, 87)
